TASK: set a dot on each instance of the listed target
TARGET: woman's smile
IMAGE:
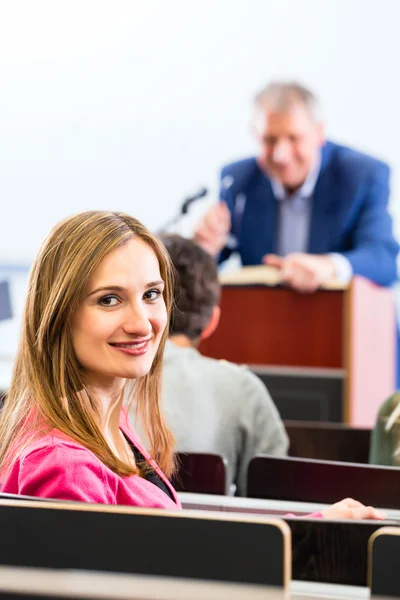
(136, 348)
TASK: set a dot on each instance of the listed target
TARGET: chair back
(201, 473)
(384, 562)
(322, 481)
(328, 441)
(144, 541)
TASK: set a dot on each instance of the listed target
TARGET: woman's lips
(132, 348)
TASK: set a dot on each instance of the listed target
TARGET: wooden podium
(352, 330)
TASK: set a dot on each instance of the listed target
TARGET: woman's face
(118, 326)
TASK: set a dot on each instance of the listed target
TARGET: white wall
(130, 105)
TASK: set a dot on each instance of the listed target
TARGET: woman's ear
(212, 323)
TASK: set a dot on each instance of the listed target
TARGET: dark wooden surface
(305, 397)
(278, 326)
(323, 551)
(148, 544)
(326, 482)
(385, 565)
(331, 551)
(201, 473)
(328, 441)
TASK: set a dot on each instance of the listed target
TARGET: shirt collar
(306, 190)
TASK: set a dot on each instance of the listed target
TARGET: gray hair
(282, 96)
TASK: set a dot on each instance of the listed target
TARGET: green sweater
(384, 444)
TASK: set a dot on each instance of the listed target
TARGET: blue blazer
(349, 212)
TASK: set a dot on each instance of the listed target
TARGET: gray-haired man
(312, 208)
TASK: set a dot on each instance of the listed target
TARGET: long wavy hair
(48, 389)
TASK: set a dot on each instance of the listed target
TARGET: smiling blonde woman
(93, 335)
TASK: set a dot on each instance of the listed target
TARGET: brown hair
(199, 286)
(47, 389)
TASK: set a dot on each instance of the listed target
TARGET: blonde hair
(47, 389)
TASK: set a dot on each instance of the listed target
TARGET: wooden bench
(384, 562)
(323, 551)
(142, 541)
(201, 473)
(43, 584)
(322, 481)
(328, 441)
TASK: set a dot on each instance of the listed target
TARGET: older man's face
(289, 144)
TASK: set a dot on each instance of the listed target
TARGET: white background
(131, 105)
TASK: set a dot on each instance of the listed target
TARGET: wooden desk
(123, 539)
(49, 584)
(352, 329)
(323, 551)
(305, 479)
(384, 562)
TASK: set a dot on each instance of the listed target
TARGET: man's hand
(213, 231)
(303, 272)
(352, 509)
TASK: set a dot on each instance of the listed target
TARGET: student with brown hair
(93, 334)
(212, 405)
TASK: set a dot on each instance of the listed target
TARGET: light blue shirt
(295, 219)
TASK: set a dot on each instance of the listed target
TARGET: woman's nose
(137, 322)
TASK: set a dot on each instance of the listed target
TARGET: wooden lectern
(350, 330)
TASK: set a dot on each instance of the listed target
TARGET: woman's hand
(352, 509)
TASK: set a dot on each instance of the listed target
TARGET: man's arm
(212, 233)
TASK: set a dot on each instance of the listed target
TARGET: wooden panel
(313, 397)
(370, 350)
(331, 551)
(143, 541)
(328, 441)
(327, 482)
(43, 584)
(384, 562)
(323, 551)
(201, 473)
(277, 326)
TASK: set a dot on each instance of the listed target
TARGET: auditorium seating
(201, 473)
(152, 542)
(323, 551)
(42, 584)
(328, 441)
(384, 562)
(327, 482)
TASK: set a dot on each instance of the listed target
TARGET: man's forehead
(295, 116)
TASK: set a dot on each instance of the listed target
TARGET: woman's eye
(153, 294)
(108, 301)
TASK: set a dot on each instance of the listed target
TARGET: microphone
(190, 199)
(183, 209)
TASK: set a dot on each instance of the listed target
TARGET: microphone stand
(183, 210)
